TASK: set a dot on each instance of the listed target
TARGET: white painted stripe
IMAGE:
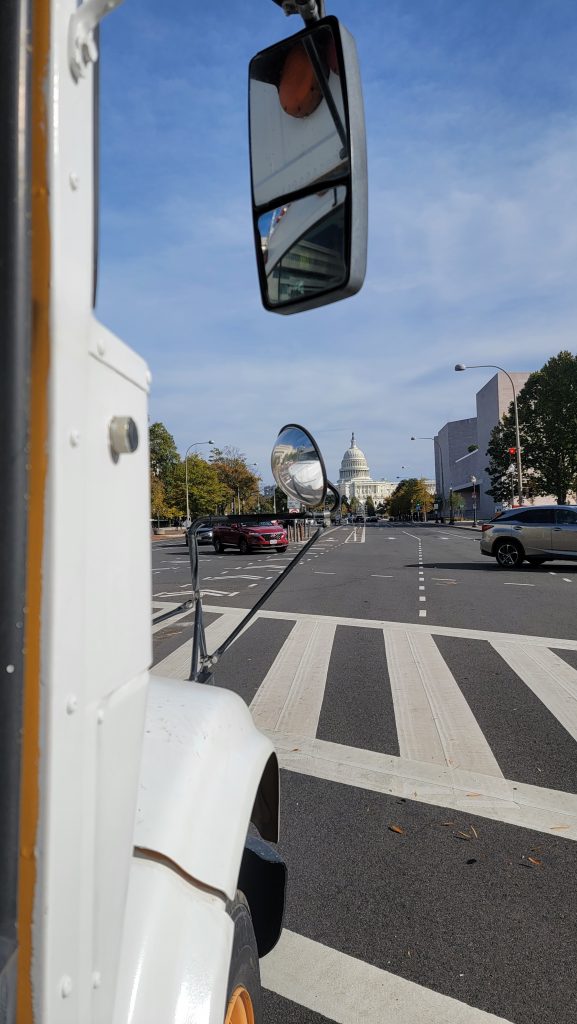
(421, 598)
(550, 678)
(290, 696)
(533, 807)
(422, 614)
(434, 721)
(176, 665)
(346, 990)
(469, 634)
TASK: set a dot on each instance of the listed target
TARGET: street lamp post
(474, 482)
(195, 444)
(493, 366)
(434, 440)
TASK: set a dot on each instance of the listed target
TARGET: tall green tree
(408, 494)
(235, 476)
(370, 506)
(206, 493)
(547, 407)
(164, 457)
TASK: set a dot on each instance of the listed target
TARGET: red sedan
(249, 537)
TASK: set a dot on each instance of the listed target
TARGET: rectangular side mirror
(308, 169)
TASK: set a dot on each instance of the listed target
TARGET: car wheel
(509, 554)
(281, 550)
(243, 996)
(218, 547)
(243, 546)
(536, 560)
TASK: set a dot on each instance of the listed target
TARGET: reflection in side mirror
(308, 164)
(303, 246)
(297, 466)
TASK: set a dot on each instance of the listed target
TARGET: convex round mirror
(298, 466)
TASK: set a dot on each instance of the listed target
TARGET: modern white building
(355, 479)
(463, 471)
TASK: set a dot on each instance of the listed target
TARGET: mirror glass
(303, 246)
(298, 132)
(298, 467)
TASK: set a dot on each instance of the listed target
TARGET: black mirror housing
(308, 168)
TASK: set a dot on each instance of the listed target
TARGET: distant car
(249, 537)
(538, 533)
(203, 535)
(372, 519)
(359, 519)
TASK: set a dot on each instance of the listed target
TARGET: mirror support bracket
(309, 10)
(82, 48)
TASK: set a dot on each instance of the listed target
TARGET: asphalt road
(424, 708)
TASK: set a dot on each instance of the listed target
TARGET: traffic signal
(512, 451)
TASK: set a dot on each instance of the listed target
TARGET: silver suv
(538, 533)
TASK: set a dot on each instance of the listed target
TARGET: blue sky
(471, 111)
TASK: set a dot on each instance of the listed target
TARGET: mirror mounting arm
(209, 661)
(319, 71)
(309, 10)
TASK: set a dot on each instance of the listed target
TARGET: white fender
(202, 763)
(176, 951)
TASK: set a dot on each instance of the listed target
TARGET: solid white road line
(176, 665)
(434, 721)
(468, 634)
(346, 990)
(515, 803)
(290, 696)
(550, 678)
(422, 614)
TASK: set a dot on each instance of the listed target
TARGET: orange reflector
(298, 90)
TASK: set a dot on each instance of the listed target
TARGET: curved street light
(493, 366)
(195, 444)
(434, 440)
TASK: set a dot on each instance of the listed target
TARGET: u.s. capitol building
(355, 479)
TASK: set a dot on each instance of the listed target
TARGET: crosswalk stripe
(550, 678)
(176, 665)
(291, 695)
(345, 990)
(527, 639)
(515, 803)
(434, 721)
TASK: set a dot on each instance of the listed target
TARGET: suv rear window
(566, 516)
(536, 515)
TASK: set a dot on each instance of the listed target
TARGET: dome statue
(354, 464)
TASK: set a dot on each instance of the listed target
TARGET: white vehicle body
(132, 890)
(137, 791)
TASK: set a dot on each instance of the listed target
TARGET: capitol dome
(354, 464)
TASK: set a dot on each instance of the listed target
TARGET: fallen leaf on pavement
(398, 829)
(472, 794)
(555, 828)
(462, 835)
(474, 831)
(535, 860)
